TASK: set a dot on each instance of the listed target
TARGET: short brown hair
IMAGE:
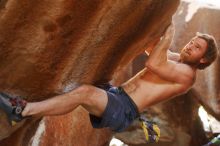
(212, 49)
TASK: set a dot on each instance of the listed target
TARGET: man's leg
(93, 99)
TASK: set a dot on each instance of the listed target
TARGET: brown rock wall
(48, 47)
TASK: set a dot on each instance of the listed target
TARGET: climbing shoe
(151, 130)
(13, 107)
(214, 142)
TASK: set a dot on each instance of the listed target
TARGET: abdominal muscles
(147, 89)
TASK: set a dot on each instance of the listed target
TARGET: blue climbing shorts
(119, 113)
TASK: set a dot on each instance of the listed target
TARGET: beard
(186, 59)
(190, 63)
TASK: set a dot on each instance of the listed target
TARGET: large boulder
(50, 47)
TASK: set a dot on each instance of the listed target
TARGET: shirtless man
(166, 75)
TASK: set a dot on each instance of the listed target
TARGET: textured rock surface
(48, 47)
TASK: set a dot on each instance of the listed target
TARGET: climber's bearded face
(194, 51)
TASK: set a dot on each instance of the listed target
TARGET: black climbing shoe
(13, 107)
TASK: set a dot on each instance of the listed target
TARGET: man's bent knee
(85, 88)
(84, 91)
(94, 99)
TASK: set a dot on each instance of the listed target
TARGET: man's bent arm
(170, 55)
(169, 70)
(159, 54)
(158, 60)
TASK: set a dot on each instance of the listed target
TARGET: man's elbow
(151, 66)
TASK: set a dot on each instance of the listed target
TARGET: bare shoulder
(186, 73)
